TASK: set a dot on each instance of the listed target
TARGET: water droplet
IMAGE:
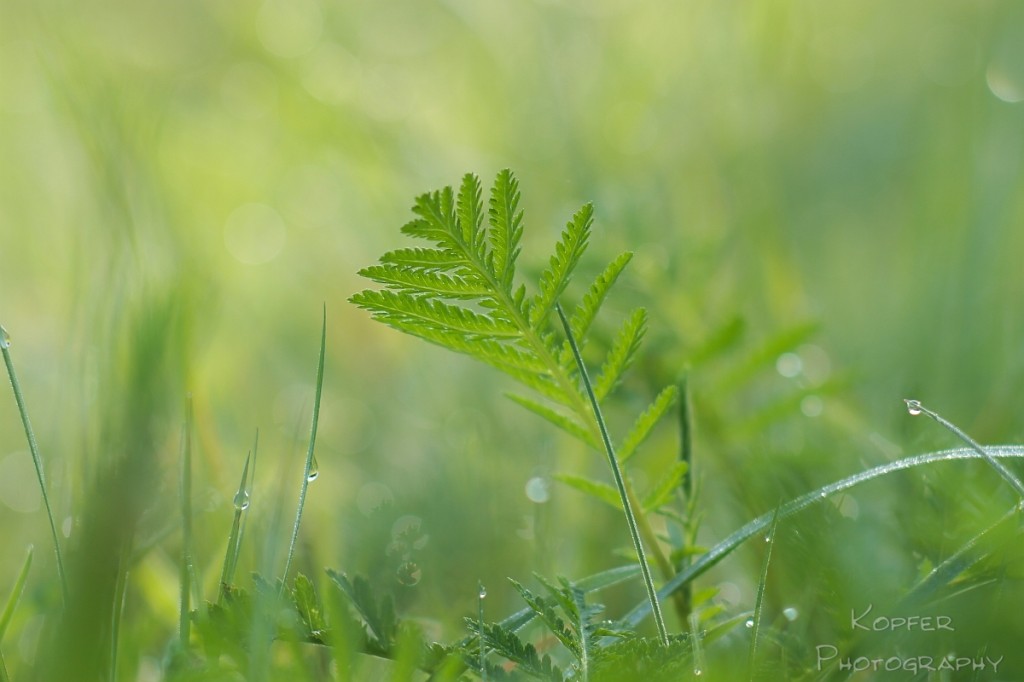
(314, 470)
(5, 338)
(824, 495)
(483, 592)
(697, 672)
(749, 623)
(914, 407)
(241, 500)
(768, 538)
(409, 574)
(537, 490)
(790, 613)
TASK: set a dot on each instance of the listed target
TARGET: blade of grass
(310, 472)
(117, 615)
(759, 601)
(185, 569)
(12, 600)
(914, 407)
(241, 503)
(37, 460)
(734, 540)
(620, 485)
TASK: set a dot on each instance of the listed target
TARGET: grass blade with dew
(311, 471)
(481, 595)
(12, 600)
(915, 408)
(696, 637)
(37, 460)
(620, 485)
(185, 569)
(241, 503)
(739, 536)
(755, 621)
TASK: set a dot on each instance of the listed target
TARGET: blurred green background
(204, 176)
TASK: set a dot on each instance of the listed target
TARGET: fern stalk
(37, 460)
(627, 507)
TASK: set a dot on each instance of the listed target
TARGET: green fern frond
(508, 645)
(391, 307)
(647, 420)
(563, 421)
(556, 276)
(584, 313)
(470, 211)
(621, 356)
(660, 494)
(421, 280)
(546, 612)
(600, 491)
(506, 221)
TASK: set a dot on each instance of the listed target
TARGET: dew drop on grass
(914, 407)
(408, 574)
(790, 613)
(537, 490)
(483, 592)
(749, 623)
(314, 470)
(241, 500)
(697, 672)
(5, 338)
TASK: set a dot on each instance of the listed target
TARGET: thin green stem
(481, 595)
(310, 472)
(915, 408)
(185, 569)
(241, 503)
(12, 600)
(620, 485)
(37, 460)
(759, 601)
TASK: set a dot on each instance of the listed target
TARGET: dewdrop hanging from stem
(915, 408)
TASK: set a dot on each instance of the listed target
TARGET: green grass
(822, 206)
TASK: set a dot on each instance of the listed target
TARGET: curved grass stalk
(12, 600)
(730, 543)
(241, 503)
(914, 407)
(620, 485)
(37, 460)
(310, 472)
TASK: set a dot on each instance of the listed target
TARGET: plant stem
(185, 569)
(627, 507)
(915, 408)
(307, 476)
(5, 344)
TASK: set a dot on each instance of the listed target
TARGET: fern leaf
(389, 306)
(379, 618)
(546, 613)
(646, 421)
(437, 221)
(601, 491)
(524, 655)
(562, 421)
(567, 255)
(584, 314)
(470, 211)
(660, 494)
(404, 278)
(622, 353)
(425, 259)
(506, 221)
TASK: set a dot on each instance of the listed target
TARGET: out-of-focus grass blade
(37, 460)
(185, 569)
(19, 587)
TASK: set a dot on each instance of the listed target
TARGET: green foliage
(462, 294)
